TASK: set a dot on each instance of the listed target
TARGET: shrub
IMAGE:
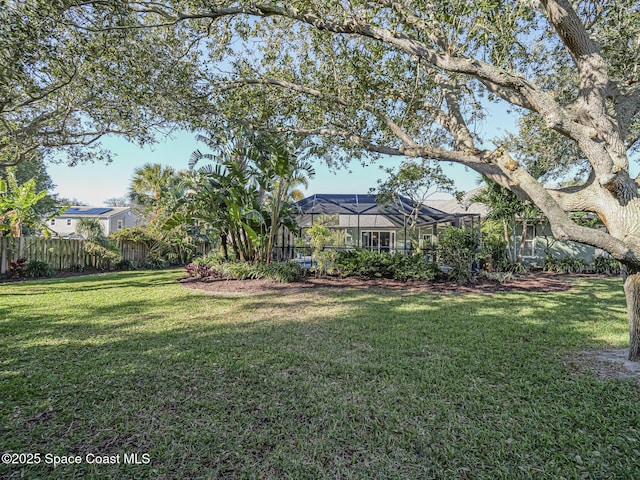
(364, 263)
(320, 237)
(107, 253)
(507, 266)
(413, 267)
(550, 264)
(457, 249)
(605, 264)
(17, 268)
(239, 270)
(125, 265)
(202, 270)
(494, 249)
(76, 267)
(565, 265)
(500, 277)
(369, 264)
(36, 268)
(573, 265)
(212, 258)
(154, 263)
(283, 272)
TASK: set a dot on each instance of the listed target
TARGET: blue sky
(93, 183)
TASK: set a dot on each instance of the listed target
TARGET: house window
(379, 241)
(119, 225)
(68, 222)
(529, 246)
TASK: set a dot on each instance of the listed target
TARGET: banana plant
(17, 207)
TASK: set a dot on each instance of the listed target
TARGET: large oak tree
(64, 85)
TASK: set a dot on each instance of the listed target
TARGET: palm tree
(281, 169)
(90, 229)
(244, 195)
(149, 183)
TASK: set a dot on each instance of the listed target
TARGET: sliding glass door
(379, 241)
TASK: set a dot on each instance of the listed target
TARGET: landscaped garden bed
(533, 282)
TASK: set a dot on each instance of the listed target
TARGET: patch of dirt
(606, 364)
(533, 282)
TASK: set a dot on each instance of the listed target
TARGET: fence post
(3, 247)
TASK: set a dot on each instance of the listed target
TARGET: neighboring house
(358, 220)
(112, 219)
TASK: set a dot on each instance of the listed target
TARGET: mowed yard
(315, 384)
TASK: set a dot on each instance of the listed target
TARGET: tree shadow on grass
(97, 281)
(322, 384)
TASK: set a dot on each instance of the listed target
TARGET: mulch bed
(533, 282)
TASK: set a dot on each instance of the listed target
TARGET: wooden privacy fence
(133, 251)
(67, 253)
(59, 253)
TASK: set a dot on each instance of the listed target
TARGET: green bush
(109, 253)
(414, 267)
(495, 248)
(364, 263)
(154, 263)
(36, 269)
(283, 272)
(550, 264)
(125, 265)
(565, 265)
(604, 264)
(214, 257)
(500, 277)
(457, 249)
(572, 265)
(360, 263)
(368, 264)
(239, 270)
(507, 266)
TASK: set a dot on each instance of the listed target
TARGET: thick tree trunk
(632, 292)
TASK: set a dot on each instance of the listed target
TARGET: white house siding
(66, 224)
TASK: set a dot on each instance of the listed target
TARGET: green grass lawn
(312, 385)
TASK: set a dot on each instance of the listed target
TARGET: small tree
(416, 180)
(457, 249)
(320, 237)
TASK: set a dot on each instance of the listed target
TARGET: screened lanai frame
(398, 214)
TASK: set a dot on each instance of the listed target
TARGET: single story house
(112, 219)
(359, 220)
